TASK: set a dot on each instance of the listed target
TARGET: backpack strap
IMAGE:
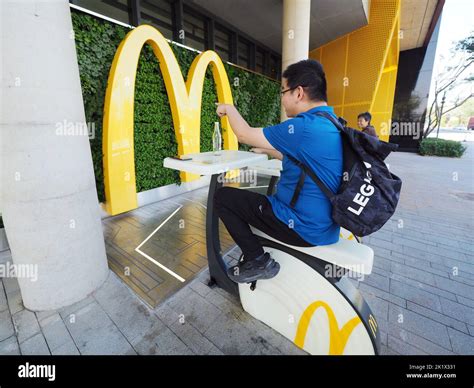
(307, 171)
(336, 123)
(299, 185)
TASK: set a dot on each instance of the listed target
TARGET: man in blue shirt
(311, 139)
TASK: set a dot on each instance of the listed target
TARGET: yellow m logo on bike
(185, 102)
(337, 337)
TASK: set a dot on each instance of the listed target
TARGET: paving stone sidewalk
(421, 289)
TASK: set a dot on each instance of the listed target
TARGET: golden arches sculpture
(185, 101)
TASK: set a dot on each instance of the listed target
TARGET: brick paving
(421, 289)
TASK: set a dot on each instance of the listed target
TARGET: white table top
(270, 167)
(206, 163)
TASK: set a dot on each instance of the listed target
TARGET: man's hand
(245, 134)
(221, 109)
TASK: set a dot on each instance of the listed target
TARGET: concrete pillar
(49, 200)
(295, 34)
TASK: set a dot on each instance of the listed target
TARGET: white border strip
(137, 249)
(85, 10)
(109, 19)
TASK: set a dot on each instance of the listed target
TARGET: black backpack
(369, 192)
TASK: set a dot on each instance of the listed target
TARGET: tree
(459, 116)
(450, 79)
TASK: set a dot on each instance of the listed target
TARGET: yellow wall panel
(354, 110)
(338, 110)
(361, 67)
(332, 60)
(317, 54)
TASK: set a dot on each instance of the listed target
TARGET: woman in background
(363, 122)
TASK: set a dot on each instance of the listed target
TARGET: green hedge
(441, 147)
(256, 97)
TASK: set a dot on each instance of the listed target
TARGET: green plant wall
(256, 97)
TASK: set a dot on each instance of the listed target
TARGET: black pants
(239, 208)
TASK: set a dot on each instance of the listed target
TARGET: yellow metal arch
(185, 102)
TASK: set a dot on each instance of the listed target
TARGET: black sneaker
(248, 271)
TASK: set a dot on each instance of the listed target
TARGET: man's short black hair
(366, 116)
(309, 74)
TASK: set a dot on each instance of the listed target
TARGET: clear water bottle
(216, 139)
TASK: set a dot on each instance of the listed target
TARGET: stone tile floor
(421, 289)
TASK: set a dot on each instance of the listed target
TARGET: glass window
(274, 67)
(194, 30)
(259, 61)
(158, 13)
(244, 53)
(222, 42)
(115, 9)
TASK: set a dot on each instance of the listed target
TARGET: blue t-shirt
(316, 142)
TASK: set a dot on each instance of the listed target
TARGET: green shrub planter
(441, 147)
(256, 97)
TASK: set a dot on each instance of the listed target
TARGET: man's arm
(273, 153)
(244, 132)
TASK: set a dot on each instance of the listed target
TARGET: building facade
(373, 50)
(375, 53)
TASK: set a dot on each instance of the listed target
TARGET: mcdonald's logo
(185, 102)
(337, 337)
(373, 325)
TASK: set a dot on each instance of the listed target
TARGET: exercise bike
(311, 301)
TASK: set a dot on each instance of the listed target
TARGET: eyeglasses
(287, 90)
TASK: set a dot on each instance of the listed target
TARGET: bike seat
(345, 253)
